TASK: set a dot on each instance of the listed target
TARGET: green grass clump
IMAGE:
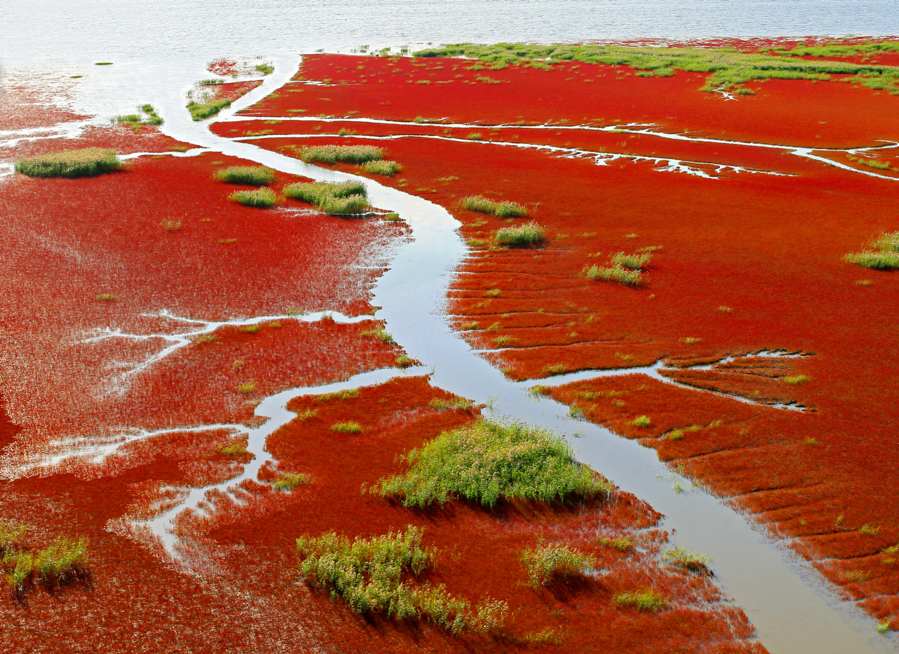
(618, 274)
(487, 462)
(729, 68)
(642, 421)
(234, 448)
(288, 481)
(12, 535)
(882, 260)
(87, 162)
(874, 163)
(372, 576)
(795, 380)
(347, 428)
(346, 394)
(382, 167)
(884, 254)
(888, 242)
(265, 68)
(57, 563)
(631, 261)
(548, 563)
(520, 235)
(315, 192)
(503, 209)
(263, 198)
(252, 175)
(379, 333)
(683, 558)
(332, 198)
(357, 154)
(60, 560)
(645, 600)
(20, 567)
(204, 110)
(353, 205)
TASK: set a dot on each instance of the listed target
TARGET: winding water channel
(792, 609)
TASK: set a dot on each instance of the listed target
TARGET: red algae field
(193, 380)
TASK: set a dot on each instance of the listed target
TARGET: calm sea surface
(42, 33)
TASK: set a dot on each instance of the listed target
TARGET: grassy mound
(252, 175)
(486, 462)
(521, 236)
(263, 198)
(372, 576)
(504, 209)
(357, 154)
(86, 162)
(204, 110)
(381, 167)
(334, 199)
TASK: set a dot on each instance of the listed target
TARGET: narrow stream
(792, 609)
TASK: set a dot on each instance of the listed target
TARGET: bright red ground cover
(746, 262)
(478, 550)
(830, 115)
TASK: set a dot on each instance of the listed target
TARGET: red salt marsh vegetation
(740, 262)
(742, 259)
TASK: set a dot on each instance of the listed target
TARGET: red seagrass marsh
(233, 421)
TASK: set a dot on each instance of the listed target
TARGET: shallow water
(85, 31)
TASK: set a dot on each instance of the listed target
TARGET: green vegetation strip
(487, 462)
(372, 576)
(883, 255)
(263, 198)
(729, 68)
(357, 154)
(645, 600)
(289, 481)
(87, 162)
